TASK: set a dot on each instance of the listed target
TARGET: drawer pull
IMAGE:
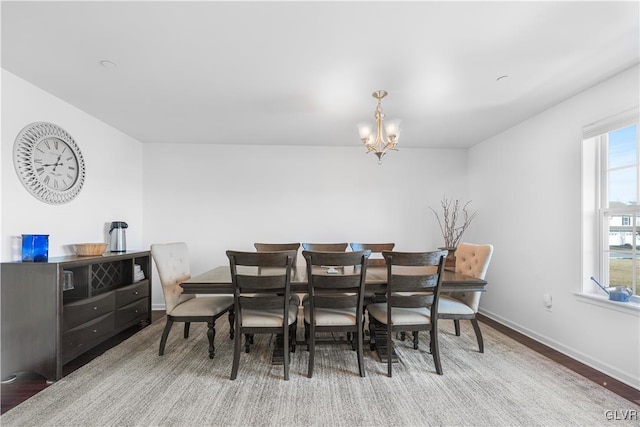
(135, 293)
(94, 331)
(95, 308)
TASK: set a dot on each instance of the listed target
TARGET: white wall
(112, 189)
(228, 197)
(527, 182)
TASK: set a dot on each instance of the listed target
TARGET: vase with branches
(455, 220)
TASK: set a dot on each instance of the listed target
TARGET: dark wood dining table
(218, 281)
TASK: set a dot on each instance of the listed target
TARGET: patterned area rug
(508, 385)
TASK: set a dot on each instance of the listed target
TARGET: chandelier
(380, 144)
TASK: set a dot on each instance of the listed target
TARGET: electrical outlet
(548, 301)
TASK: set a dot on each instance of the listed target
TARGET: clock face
(56, 164)
(49, 163)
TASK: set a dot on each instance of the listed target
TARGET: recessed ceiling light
(501, 78)
(109, 65)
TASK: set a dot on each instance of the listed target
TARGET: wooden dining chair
(471, 260)
(172, 262)
(335, 298)
(325, 247)
(262, 299)
(413, 292)
(376, 259)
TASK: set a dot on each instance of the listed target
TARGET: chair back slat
(325, 247)
(412, 301)
(376, 259)
(261, 302)
(335, 301)
(260, 283)
(278, 247)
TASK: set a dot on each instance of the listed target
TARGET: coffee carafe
(117, 236)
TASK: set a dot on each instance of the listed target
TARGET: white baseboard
(574, 354)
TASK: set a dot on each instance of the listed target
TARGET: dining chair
(471, 260)
(325, 247)
(172, 262)
(413, 291)
(335, 298)
(262, 299)
(376, 259)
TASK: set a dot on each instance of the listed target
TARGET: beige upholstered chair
(376, 259)
(325, 247)
(172, 262)
(471, 260)
(335, 300)
(413, 291)
(262, 299)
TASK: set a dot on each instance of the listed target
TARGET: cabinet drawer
(79, 312)
(75, 340)
(131, 312)
(129, 294)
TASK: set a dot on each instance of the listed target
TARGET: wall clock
(49, 163)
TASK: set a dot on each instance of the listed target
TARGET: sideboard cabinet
(53, 312)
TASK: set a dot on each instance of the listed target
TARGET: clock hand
(57, 163)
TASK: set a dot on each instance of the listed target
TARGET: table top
(218, 281)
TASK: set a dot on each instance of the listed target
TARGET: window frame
(596, 212)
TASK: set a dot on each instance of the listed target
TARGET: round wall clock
(49, 163)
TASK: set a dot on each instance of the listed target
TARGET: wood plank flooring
(28, 384)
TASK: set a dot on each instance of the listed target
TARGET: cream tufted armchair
(172, 262)
(471, 260)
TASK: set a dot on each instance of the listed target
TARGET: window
(611, 209)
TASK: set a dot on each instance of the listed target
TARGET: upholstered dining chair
(262, 299)
(471, 260)
(325, 247)
(413, 292)
(376, 259)
(172, 262)
(335, 300)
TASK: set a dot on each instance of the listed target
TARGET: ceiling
(302, 73)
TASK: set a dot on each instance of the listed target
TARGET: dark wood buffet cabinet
(47, 321)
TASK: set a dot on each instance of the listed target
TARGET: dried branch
(452, 232)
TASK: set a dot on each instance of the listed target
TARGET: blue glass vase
(35, 247)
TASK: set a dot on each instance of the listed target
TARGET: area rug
(508, 385)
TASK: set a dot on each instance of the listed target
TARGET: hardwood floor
(28, 384)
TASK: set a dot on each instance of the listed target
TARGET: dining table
(218, 281)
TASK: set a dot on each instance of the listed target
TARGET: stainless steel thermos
(118, 237)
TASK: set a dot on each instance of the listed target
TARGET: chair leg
(236, 353)
(187, 325)
(248, 339)
(372, 335)
(359, 337)
(389, 348)
(311, 345)
(292, 336)
(415, 340)
(211, 335)
(435, 350)
(165, 334)
(286, 352)
(476, 328)
(232, 318)
(456, 324)
(306, 334)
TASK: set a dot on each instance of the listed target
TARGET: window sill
(632, 307)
